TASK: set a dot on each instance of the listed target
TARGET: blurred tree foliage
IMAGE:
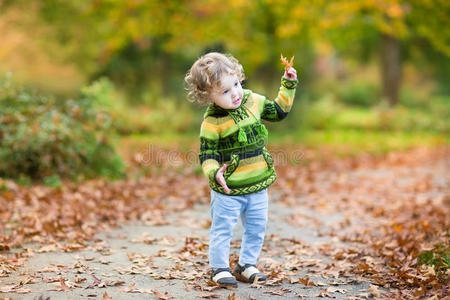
(388, 28)
(151, 44)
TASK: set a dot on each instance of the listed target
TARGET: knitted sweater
(238, 138)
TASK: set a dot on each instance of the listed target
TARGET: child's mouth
(237, 101)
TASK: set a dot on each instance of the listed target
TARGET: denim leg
(225, 211)
(254, 220)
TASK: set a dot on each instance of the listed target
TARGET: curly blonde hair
(206, 72)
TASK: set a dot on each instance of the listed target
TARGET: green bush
(320, 114)
(167, 116)
(432, 118)
(155, 115)
(413, 98)
(45, 138)
(326, 113)
(358, 93)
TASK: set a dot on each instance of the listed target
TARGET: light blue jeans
(225, 211)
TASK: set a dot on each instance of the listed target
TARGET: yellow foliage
(21, 53)
(395, 11)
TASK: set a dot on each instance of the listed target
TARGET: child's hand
(221, 180)
(290, 74)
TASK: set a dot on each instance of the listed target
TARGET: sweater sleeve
(209, 144)
(278, 109)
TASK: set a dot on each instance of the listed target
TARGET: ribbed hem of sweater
(244, 190)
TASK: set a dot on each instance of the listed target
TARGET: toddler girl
(235, 160)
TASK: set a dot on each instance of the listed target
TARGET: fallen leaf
(106, 296)
(278, 292)
(336, 290)
(208, 295)
(161, 296)
(306, 281)
(128, 288)
(48, 248)
(325, 294)
(373, 290)
(233, 297)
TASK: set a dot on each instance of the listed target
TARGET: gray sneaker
(223, 277)
(249, 273)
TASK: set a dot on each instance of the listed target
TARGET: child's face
(229, 93)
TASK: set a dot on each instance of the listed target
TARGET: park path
(137, 260)
(307, 252)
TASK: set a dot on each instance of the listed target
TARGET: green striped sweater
(238, 138)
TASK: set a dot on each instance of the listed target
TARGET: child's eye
(236, 83)
(226, 91)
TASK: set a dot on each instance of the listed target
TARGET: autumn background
(94, 89)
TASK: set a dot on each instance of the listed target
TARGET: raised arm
(278, 109)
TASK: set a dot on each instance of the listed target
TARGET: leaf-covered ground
(349, 228)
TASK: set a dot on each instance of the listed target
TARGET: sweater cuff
(212, 175)
(289, 84)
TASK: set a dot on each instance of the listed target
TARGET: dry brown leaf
(233, 297)
(306, 281)
(287, 64)
(79, 279)
(64, 287)
(187, 287)
(161, 296)
(13, 288)
(106, 297)
(48, 248)
(325, 294)
(336, 290)
(373, 290)
(278, 292)
(128, 289)
(208, 295)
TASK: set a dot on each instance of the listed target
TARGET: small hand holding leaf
(289, 71)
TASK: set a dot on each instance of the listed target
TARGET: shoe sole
(227, 286)
(223, 285)
(244, 279)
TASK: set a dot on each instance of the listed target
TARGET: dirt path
(319, 243)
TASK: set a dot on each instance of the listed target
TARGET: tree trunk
(391, 67)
